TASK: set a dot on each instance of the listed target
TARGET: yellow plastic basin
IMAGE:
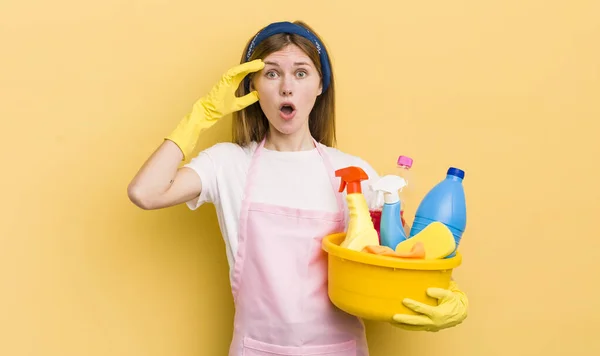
(372, 287)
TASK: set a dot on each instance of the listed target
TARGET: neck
(298, 141)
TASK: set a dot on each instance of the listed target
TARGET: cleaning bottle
(445, 203)
(392, 231)
(360, 232)
(404, 164)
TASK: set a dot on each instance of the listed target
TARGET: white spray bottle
(391, 229)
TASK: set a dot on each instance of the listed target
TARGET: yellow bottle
(361, 232)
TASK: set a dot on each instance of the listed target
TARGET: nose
(286, 91)
(286, 87)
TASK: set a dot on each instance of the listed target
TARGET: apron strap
(252, 170)
(333, 180)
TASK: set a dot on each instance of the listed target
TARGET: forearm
(154, 184)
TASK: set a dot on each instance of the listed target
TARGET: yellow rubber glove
(450, 311)
(220, 101)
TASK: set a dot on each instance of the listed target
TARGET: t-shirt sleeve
(204, 165)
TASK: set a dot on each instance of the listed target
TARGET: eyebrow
(295, 63)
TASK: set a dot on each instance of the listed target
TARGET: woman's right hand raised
(219, 102)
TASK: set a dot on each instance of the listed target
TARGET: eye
(301, 74)
(271, 74)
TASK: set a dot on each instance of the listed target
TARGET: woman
(276, 196)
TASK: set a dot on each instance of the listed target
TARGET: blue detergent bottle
(445, 203)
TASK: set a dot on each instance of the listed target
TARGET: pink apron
(279, 281)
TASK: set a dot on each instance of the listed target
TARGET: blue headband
(288, 27)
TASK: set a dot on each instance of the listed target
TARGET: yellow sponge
(436, 238)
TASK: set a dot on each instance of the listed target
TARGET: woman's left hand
(450, 311)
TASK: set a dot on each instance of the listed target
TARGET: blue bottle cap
(456, 172)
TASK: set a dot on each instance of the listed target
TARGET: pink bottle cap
(405, 161)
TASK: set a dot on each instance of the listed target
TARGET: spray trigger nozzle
(389, 185)
(342, 185)
(351, 178)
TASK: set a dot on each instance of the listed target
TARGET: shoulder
(226, 157)
(340, 159)
(222, 169)
(225, 154)
(229, 150)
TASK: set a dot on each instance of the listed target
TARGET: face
(288, 87)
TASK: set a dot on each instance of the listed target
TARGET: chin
(287, 128)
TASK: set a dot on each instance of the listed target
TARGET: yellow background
(507, 90)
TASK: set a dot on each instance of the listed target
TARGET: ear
(320, 88)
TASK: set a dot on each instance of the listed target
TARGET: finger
(418, 306)
(413, 327)
(416, 320)
(439, 293)
(245, 68)
(246, 100)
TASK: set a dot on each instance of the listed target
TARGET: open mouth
(287, 111)
(287, 108)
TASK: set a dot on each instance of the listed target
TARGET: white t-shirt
(292, 179)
